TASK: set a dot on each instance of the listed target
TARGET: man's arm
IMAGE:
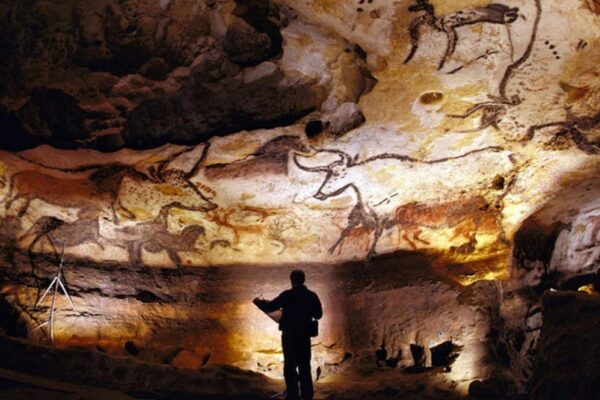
(269, 305)
(317, 311)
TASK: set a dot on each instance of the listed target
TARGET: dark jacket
(299, 306)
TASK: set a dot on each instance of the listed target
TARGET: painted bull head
(336, 180)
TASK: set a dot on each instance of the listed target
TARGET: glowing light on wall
(589, 289)
(481, 276)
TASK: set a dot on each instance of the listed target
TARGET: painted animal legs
(376, 236)
(450, 47)
(343, 236)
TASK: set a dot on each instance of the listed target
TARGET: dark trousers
(296, 355)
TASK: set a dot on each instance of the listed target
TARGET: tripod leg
(66, 293)
(53, 246)
(39, 326)
(46, 292)
(52, 313)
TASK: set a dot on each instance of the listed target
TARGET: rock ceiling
(475, 115)
(178, 134)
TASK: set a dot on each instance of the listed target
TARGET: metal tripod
(56, 283)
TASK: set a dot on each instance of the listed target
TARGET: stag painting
(493, 13)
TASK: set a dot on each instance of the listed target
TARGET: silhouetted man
(299, 307)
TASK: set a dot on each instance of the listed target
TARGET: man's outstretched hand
(258, 301)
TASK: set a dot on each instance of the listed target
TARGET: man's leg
(290, 363)
(303, 355)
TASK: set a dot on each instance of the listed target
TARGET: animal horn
(309, 169)
(345, 158)
(164, 165)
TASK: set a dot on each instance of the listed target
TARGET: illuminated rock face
(458, 141)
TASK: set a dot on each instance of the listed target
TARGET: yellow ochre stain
(170, 190)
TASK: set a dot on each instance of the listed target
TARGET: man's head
(297, 277)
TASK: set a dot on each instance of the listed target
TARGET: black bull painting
(378, 196)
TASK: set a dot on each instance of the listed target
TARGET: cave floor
(19, 386)
(384, 384)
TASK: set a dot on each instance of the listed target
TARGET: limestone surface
(433, 165)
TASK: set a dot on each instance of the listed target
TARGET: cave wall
(200, 316)
(569, 343)
(553, 268)
(433, 166)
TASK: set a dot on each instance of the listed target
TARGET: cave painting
(154, 237)
(240, 220)
(59, 233)
(465, 217)
(96, 192)
(71, 234)
(162, 185)
(106, 186)
(570, 131)
(279, 229)
(167, 186)
(174, 190)
(493, 13)
(491, 116)
(493, 111)
(378, 195)
(270, 158)
(148, 206)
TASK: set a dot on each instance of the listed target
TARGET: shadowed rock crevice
(116, 46)
(567, 363)
(263, 40)
(49, 116)
(10, 321)
(555, 253)
(14, 137)
(533, 248)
